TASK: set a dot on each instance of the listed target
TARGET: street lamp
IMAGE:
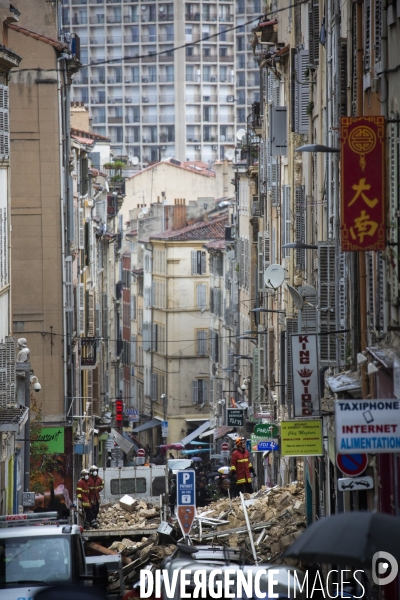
(268, 310)
(242, 356)
(300, 246)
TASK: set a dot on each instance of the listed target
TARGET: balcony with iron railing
(80, 81)
(114, 39)
(166, 98)
(149, 39)
(193, 98)
(99, 120)
(169, 16)
(115, 100)
(98, 19)
(226, 118)
(165, 58)
(194, 58)
(167, 78)
(149, 118)
(227, 58)
(112, 19)
(150, 58)
(132, 99)
(115, 120)
(193, 140)
(131, 39)
(210, 58)
(132, 139)
(132, 119)
(97, 41)
(193, 118)
(132, 79)
(115, 79)
(208, 17)
(192, 16)
(149, 99)
(131, 18)
(167, 118)
(165, 37)
(149, 140)
(94, 81)
(76, 20)
(97, 100)
(210, 119)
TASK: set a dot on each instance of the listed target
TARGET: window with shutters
(313, 31)
(300, 91)
(275, 181)
(378, 30)
(96, 392)
(91, 331)
(201, 296)
(147, 263)
(154, 337)
(84, 187)
(146, 337)
(80, 292)
(300, 225)
(140, 357)
(278, 130)
(81, 230)
(154, 387)
(200, 391)
(199, 262)
(201, 335)
(291, 327)
(69, 295)
(148, 297)
(140, 320)
(327, 291)
(105, 315)
(343, 78)
(286, 220)
(133, 349)
(367, 35)
(255, 380)
(273, 246)
(4, 123)
(354, 55)
(89, 393)
(133, 307)
(307, 317)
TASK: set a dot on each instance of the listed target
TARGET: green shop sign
(266, 430)
(54, 438)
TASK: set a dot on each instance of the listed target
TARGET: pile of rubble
(128, 513)
(277, 518)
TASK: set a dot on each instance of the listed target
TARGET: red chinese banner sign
(362, 183)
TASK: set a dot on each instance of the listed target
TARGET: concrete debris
(128, 513)
(278, 512)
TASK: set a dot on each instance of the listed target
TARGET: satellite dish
(240, 134)
(144, 7)
(134, 160)
(297, 299)
(162, 8)
(274, 276)
(107, 186)
(140, 215)
(229, 154)
(145, 210)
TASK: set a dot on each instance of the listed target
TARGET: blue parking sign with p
(186, 488)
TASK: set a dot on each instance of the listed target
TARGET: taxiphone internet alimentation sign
(370, 426)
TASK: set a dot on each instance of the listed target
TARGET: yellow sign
(301, 438)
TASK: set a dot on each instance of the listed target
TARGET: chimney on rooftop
(179, 218)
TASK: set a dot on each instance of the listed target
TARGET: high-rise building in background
(151, 100)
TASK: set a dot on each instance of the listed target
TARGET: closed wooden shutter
(313, 31)
(285, 220)
(194, 262)
(96, 392)
(203, 263)
(307, 317)
(201, 296)
(300, 91)
(69, 295)
(4, 123)
(291, 327)
(89, 393)
(81, 308)
(327, 302)
(81, 230)
(195, 391)
(91, 314)
(300, 225)
(202, 342)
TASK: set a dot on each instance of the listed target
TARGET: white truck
(33, 557)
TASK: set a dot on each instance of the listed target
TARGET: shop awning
(148, 425)
(221, 431)
(203, 427)
(206, 433)
(124, 444)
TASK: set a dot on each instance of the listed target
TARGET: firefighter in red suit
(241, 468)
(96, 485)
(82, 493)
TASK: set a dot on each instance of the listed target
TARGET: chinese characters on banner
(305, 375)
(362, 183)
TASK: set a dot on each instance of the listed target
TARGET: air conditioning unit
(144, 80)
(145, 99)
(230, 98)
(197, 147)
(213, 79)
(214, 147)
(206, 98)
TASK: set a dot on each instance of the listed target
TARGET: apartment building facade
(166, 79)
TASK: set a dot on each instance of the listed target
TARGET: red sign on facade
(362, 183)
(119, 413)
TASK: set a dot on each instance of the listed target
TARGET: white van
(143, 483)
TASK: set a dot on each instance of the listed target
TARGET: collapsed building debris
(276, 519)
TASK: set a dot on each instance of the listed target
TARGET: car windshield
(41, 559)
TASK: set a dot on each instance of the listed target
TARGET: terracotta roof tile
(38, 36)
(197, 167)
(214, 229)
(88, 134)
(215, 245)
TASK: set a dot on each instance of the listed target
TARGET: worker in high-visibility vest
(241, 468)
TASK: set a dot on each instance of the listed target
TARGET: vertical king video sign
(305, 375)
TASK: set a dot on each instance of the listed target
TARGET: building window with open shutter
(300, 225)
(146, 337)
(300, 91)
(313, 31)
(199, 262)
(81, 308)
(286, 220)
(202, 342)
(4, 123)
(200, 391)
(201, 296)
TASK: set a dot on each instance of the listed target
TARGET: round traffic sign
(224, 446)
(352, 464)
(141, 452)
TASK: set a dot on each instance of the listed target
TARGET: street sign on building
(371, 426)
(164, 429)
(305, 375)
(355, 484)
(266, 430)
(186, 499)
(133, 414)
(268, 446)
(301, 438)
(352, 464)
(235, 417)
